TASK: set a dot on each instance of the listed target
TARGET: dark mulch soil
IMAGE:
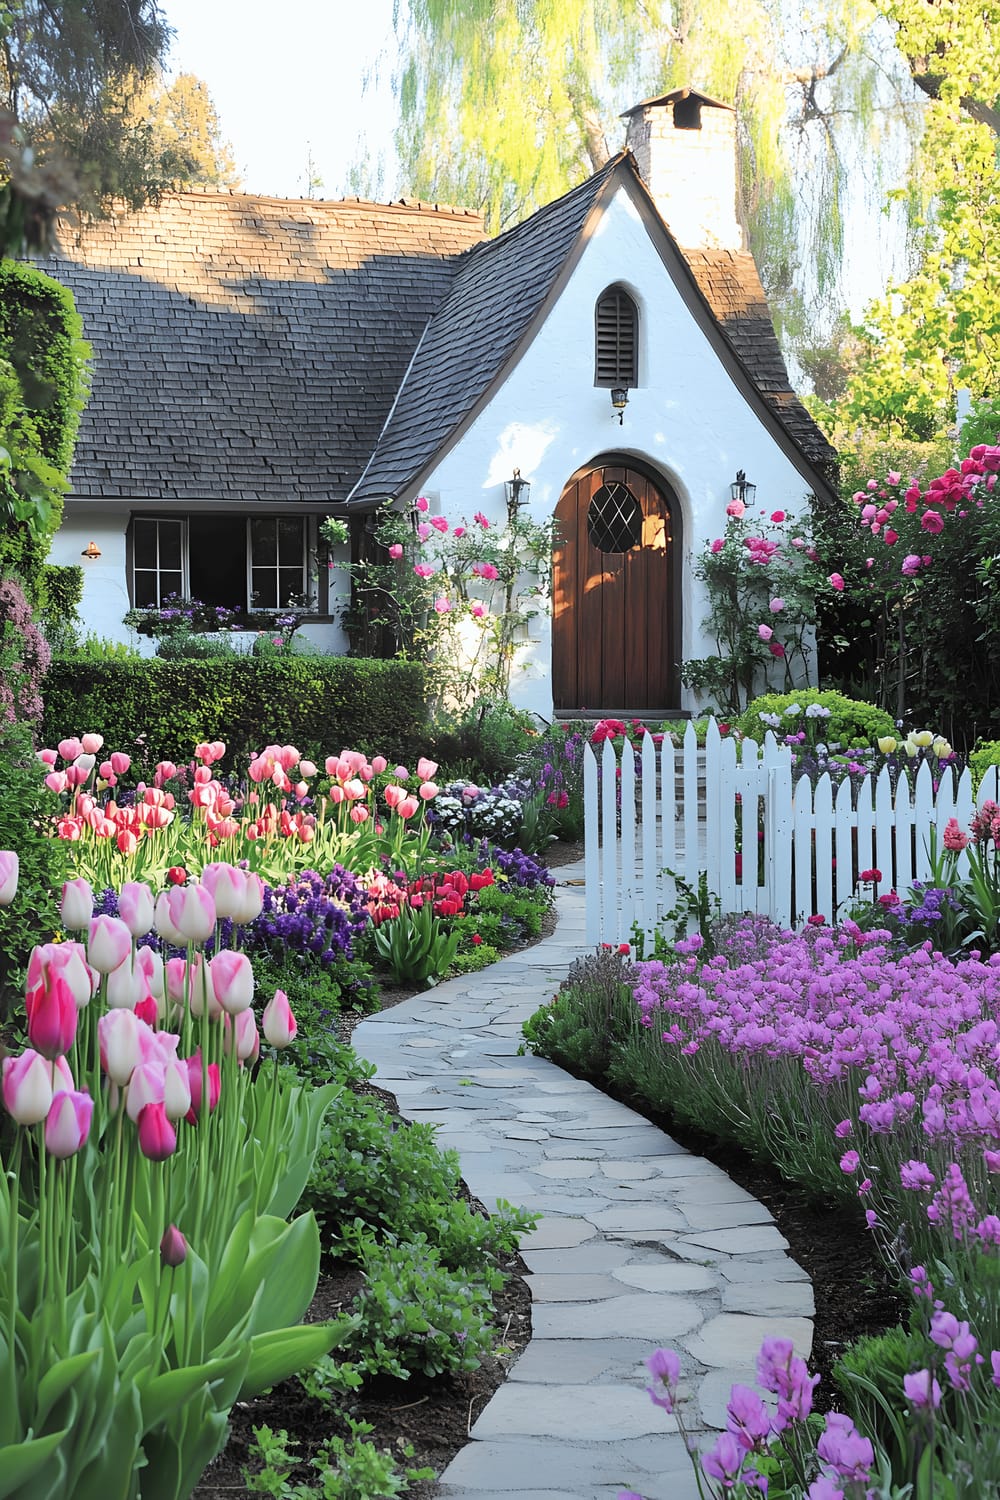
(853, 1297)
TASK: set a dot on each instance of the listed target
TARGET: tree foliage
(68, 134)
(187, 136)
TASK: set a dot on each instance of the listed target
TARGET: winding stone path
(640, 1243)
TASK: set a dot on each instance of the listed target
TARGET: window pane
(170, 544)
(144, 544)
(289, 582)
(145, 589)
(290, 540)
(263, 539)
(265, 588)
(170, 583)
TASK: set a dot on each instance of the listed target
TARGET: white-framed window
(241, 562)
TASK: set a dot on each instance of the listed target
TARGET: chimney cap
(671, 98)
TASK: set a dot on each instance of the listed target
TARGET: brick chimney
(685, 148)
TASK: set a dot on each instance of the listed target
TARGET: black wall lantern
(619, 401)
(742, 489)
(516, 492)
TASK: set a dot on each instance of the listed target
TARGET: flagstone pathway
(640, 1244)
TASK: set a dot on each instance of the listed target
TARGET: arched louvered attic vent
(617, 337)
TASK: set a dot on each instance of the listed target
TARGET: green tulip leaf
(277, 1355)
(164, 1393)
(21, 1462)
(57, 1380)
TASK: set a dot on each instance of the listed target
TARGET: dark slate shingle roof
(731, 286)
(503, 284)
(250, 348)
(499, 288)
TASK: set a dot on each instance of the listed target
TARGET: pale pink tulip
(62, 1077)
(227, 886)
(192, 912)
(48, 757)
(176, 1088)
(67, 1124)
(70, 749)
(144, 1087)
(126, 986)
(428, 790)
(109, 943)
(253, 901)
(150, 964)
(91, 743)
(307, 768)
(27, 1087)
(136, 907)
(379, 764)
(394, 795)
(243, 1028)
(232, 981)
(57, 781)
(120, 1036)
(69, 961)
(164, 923)
(9, 867)
(289, 757)
(401, 773)
(426, 769)
(278, 1023)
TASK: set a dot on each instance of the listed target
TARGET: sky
(287, 83)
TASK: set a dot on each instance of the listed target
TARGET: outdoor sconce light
(91, 550)
(742, 489)
(516, 492)
(619, 400)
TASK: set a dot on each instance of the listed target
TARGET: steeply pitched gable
(249, 349)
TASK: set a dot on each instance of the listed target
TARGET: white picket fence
(691, 812)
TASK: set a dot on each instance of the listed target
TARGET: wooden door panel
(612, 611)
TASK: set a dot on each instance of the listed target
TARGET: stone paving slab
(639, 1243)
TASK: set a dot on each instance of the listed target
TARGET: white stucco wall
(687, 419)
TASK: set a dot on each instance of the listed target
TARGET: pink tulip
(165, 771)
(218, 749)
(150, 965)
(136, 907)
(193, 1064)
(336, 795)
(307, 768)
(242, 1031)
(163, 921)
(56, 781)
(157, 1137)
(51, 1017)
(192, 912)
(232, 981)
(173, 1248)
(61, 1077)
(68, 960)
(379, 764)
(426, 769)
(253, 901)
(278, 1023)
(176, 1088)
(70, 749)
(109, 943)
(106, 772)
(27, 1087)
(9, 866)
(148, 1010)
(91, 743)
(120, 762)
(359, 814)
(407, 807)
(394, 795)
(126, 986)
(227, 886)
(48, 757)
(144, 1087)
(119, 1034)
(428, 790)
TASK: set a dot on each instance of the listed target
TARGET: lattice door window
(614, 520)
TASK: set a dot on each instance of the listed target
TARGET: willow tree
(505, 104)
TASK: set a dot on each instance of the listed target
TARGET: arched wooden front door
(613, 594)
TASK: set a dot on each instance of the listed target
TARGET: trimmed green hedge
(159, 710)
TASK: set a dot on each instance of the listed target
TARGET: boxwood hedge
(159, 710)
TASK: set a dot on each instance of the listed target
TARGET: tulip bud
(27, 1087)
(119, 1033)
(164, 923)
(67, 1123)
(176, 1088)
(253, 901)
(157, 1137)
(109, 943)
(243, 1028)
(77, 905)
(279, 1025)
(173, 1248)
(232, 981)
(9, 865)
(51, 1017)
(126, 986)
(226, 885)
(136, 907)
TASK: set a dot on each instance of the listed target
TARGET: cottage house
(260, 364)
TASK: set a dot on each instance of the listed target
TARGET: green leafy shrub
(986, 754)
(346, 1468)
(483, 745)
(417, 1316)
(59, 593)
(319, 704)
(26, 811)
(577, 1029)
(869, 1378)
(850, 721)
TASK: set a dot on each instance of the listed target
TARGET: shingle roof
(498, 290)
(731, 286)
(250, 348)
(501, 288)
